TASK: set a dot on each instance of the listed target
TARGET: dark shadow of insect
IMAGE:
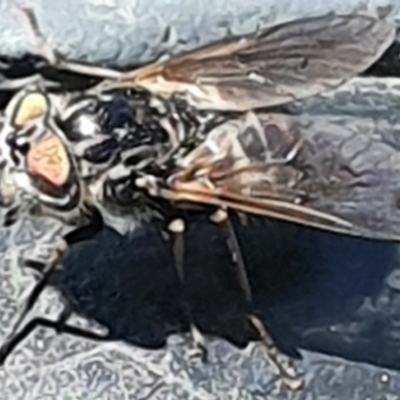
(304, 283)
(174, 140)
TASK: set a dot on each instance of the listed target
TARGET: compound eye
(48, 159)
(32, 106)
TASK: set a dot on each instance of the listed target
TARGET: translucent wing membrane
(333, 179)
(274, 66)
(270, 67)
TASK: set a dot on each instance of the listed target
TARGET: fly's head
(38, 171)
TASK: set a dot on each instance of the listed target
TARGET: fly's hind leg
(177, 229)
(221, 218)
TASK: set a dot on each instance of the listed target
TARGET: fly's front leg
(177, 229)
(13, 338)
(17, 334)
(221, 218)
(60, 326)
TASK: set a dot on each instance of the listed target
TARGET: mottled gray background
(124, 32)
(333, 300)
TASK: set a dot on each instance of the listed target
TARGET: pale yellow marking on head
(32, 106)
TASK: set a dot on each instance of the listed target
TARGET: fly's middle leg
(177, 230)
(289, 377)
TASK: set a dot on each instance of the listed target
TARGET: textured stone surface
(132, 31)
(334, 299)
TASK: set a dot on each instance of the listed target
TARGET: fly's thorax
(117, 136)
(123, 136)
(107, 128)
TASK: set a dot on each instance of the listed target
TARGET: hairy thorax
(122, 136)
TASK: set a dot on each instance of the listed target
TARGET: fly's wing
(274, 66)
(331, 178)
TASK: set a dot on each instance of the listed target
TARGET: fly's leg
(177, 229)
(221, 218)
(53, 58)
(21, 83)
(12, 338)
(86, 232)
(60, 326)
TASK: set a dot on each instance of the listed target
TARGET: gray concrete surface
(121, 32)
(336, 300)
